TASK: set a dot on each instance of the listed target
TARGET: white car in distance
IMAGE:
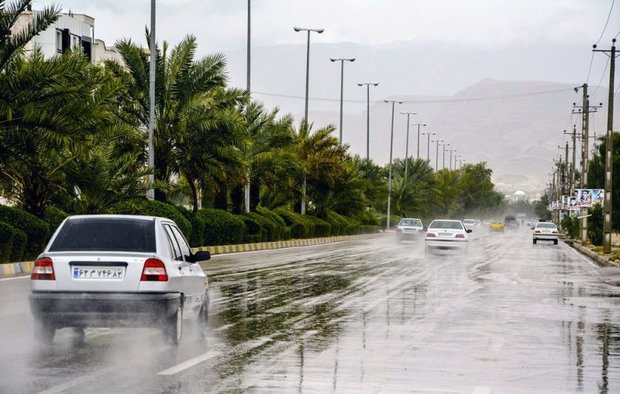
(409, 229)
(469, 223)
(545, 231)
(446, 235)
(117, 270)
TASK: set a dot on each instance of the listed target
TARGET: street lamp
(298, 29)
(428, 145)
(150, 193)
(451, 151)
(418, 124)
(443, 159)
(407, 143)
(368, 114)
(390, 167)
(342, 60)
(437, 153)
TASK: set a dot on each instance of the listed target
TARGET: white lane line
(188, 364)
(15, 278)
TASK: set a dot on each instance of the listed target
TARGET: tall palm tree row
(73, 134)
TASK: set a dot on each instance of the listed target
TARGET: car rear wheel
(44, 332)
(204, 309)
(534, 241)
(173, 327)
(555, 241)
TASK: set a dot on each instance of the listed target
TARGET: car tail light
(154, 271)
(43, 269)
(430, 235)
(460, 236)
(537, 232)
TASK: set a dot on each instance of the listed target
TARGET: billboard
(585, 198)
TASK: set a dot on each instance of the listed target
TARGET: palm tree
(414, 195)
(196, 116)
(12, 41)
(48, 108)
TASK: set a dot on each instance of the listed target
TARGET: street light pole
(443, 159)
(418, 124)
(407, 143)
(389, 204)
(428, 145)
(368, 114)
(305, 121)
(437, 154)
(451, 151)
(150, 194)
(298, 29)
(342, 60)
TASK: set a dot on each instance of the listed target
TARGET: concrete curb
(25, 267)
(599, 260)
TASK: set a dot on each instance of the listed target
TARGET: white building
(68, 32)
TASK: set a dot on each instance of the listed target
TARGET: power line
(608, 16)
(602, 76)
(590, 68)
(438, 101)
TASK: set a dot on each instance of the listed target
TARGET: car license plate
(445, 234)
(98, 272)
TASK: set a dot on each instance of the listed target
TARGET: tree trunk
(254, 195)
(221, 198)
(237, 197)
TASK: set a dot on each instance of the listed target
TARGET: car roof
(115, 216)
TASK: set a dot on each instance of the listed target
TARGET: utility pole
(609, 155)
(571, 189)
(407, 143)
(246, 187)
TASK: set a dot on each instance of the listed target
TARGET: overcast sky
(220, 25)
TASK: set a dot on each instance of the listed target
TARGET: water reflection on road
(380, 317)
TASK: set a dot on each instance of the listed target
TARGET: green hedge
(299, 225)
(54, 217)
(221, 227)
(322, 228)
(368, 218)
(281, 232)
(37, 231)
(6, 242)
(197, 234)
(255, 231)
(19, 245)
(269, 229)
(342, 224)
(155, 208)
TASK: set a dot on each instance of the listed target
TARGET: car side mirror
(469, 230)
(532, 227)
(201, 255)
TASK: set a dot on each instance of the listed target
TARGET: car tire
(555, 241)
(534, 241)
(204, 309)
(79, 335)
(44, 332)
(173, 327)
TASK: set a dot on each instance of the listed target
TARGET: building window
(58, 41)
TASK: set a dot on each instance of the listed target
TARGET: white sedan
(545, 231)
(446, 234)
(117, 270)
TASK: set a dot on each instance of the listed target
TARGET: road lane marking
(15, 278)
(188, 364)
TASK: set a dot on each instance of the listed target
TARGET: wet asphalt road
(363, 316)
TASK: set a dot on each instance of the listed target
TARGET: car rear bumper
(446, 244)
(67, 309)
(409, 235)
(545, 237)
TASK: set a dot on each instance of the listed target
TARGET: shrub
(571, 226)
(6, 242)
(196, 236)
(338, 222)
(394, 219)
(36, 229)
(221, 227)
(368, 218)
(19, 245)
(322, 228)
(54, 217)
(299, 225)
(270, 231)
(347, 225)
(280, 231)
(595, 225)
(368, 229)
(155, 208)
(254, 229)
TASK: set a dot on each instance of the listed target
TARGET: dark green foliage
(19, 245)
(196, 236)
(368, 218)
(155, 208)
(6, 242)
(221, 228)
(368, 229)
(53, 217)
(270, 230)
(299, 225)
(254, 231)
(341, 225)
(571, 226)
(595, 225)
(322, 228)
(280, 230)
(36, 230)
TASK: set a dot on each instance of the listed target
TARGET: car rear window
(453, 225)
(106, 234)
(546, 225)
